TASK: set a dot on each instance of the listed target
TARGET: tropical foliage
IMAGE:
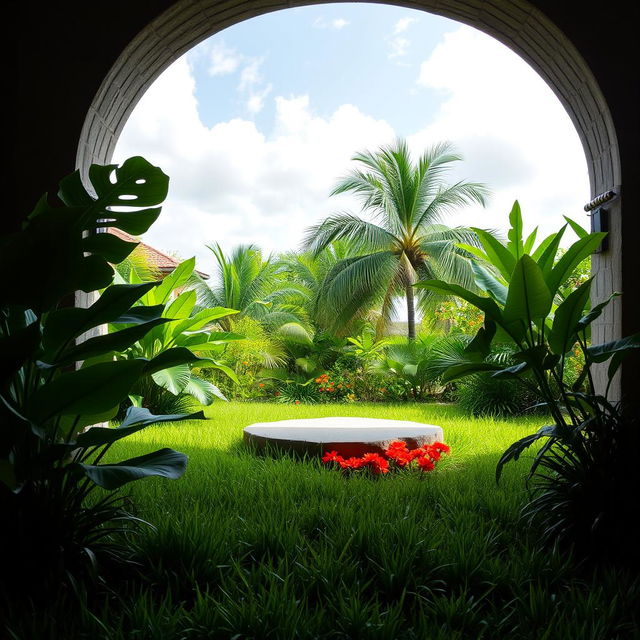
(242, 281)
(406, 240)
(183, 326)
(59, 377)
(582, 472)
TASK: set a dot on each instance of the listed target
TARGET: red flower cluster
(397, 453)
(375, 461)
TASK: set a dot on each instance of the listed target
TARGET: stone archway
(516, 23)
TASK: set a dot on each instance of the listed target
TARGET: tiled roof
(156, 259)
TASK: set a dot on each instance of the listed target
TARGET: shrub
(298, 393)
(483, 395)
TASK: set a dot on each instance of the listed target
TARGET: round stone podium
(347, 436)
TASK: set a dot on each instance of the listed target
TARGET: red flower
(332, 456)
(399, 453)
(442, 447)
(353, 463)
(425, 463)
(432, 452)
(297, 402)
(377, 463)
(397, 444)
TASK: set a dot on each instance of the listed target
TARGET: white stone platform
(348, 436)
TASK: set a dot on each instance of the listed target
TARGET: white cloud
(250, 74)
(511, 129)
(232, 184)
(256, 99)
(398, 47)
(403, 24)
(223, 60)
(336, 23)
(399, 44)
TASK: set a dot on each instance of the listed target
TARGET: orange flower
(261, 384)
(297, 402)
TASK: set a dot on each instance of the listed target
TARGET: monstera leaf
(57, 244)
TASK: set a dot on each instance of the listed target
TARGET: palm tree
(242, 282)
(405, 240)
(304, 273)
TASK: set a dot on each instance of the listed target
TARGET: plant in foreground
(59, 376)
(585, 479)
(395, 457)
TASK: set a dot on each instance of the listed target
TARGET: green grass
(273, 547)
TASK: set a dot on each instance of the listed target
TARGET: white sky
(253, 144)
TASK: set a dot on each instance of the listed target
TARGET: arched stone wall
(516, 23)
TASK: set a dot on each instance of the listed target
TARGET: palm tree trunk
(411, 313)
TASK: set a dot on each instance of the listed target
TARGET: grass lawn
(271, 547)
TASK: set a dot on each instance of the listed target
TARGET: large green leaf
(108, 246)
(596, 311)
(489, 283)
(580, 231)
(182, 306)
(202, 319)
(203, 391)
(173, 379)
(118, 341)
(574, 255)
(466, 369)
(499, 256)
(172, 358)
(567, 317)
(602, 352)
(139, 314)
(70, 425)
(136, 418)
(515, 233)
(208, 363)
(528, 297)
(485, 304)
(544, 245)
(165, 463)
(529, 242)
(136, 183)
(64, 325)
(480, 346)
(177, 278)
(91, 390)
(517, 448)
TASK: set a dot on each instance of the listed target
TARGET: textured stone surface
(348, 436)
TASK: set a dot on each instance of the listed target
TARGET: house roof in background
(157, 259)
